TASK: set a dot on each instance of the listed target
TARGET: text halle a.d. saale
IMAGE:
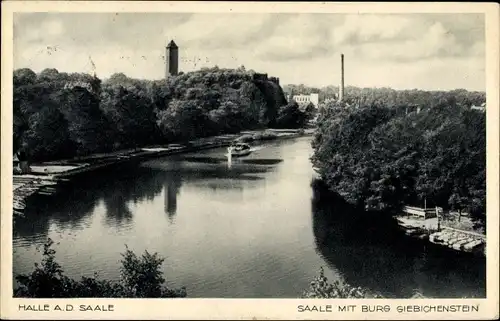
(66, 307)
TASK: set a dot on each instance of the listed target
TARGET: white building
(306, 99)
(482, 107)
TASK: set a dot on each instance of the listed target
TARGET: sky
(403, 51)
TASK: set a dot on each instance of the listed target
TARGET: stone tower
(171, 59)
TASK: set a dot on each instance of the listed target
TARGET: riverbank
(45, 177)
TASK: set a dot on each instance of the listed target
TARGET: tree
(38, 122)
(290, 116)
(49, 75)
(24, 76)
(380, 158)
(86, 123)
(458, 201)
(132, 113)
(123, 112)
(182, 120)
(48, 135)
(227, 118)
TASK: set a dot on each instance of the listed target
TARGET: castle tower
(171, 59)
(341, 88)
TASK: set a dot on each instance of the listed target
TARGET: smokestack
(341, 89)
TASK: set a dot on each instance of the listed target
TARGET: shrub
(267, 135)
(321, 289)
(140, 277)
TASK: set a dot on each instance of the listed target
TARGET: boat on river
(239, 150)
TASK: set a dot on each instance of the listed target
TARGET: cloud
(298, 48)
(294, 37)
(400, 38)
(435, 42)
(369, 28)
(214, 31)
(48, 30)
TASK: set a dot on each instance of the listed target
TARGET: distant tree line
(393, 98)
(380, 158)
(59, 115)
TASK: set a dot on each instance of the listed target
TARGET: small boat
(239, 150)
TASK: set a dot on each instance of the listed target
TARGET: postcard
(249, 160)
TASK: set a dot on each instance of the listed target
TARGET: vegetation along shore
(70, 124)
(380, 150)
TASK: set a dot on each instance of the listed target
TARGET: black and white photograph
(249, 155)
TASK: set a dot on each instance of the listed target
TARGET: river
(249, 230)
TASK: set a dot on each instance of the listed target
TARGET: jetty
(44, 178)
(27, 185)
(459, 240)
(437, 232)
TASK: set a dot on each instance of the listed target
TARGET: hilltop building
(172, 65)
(265, 77)
(171, 60)
(304, 100)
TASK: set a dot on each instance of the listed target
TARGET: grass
(463, 223)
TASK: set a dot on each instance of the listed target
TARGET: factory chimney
(341, 88)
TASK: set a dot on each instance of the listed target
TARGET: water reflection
(171, 190)
(128, 187)
(210, 171)
(31, 225)
(201, 168)
(117, 211)
(247, 231)
(65, 212)
(366, 249)
(119, 188)
(71, 207)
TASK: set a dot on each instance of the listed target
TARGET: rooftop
(172, 44)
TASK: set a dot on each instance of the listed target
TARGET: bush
(140, 277)
(267, 135)
(321, 289)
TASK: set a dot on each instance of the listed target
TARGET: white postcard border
(251, 308)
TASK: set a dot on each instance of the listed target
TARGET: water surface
(249, 230)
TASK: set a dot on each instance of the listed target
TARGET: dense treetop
(380, 158)
(61, 115)
(393, 98)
